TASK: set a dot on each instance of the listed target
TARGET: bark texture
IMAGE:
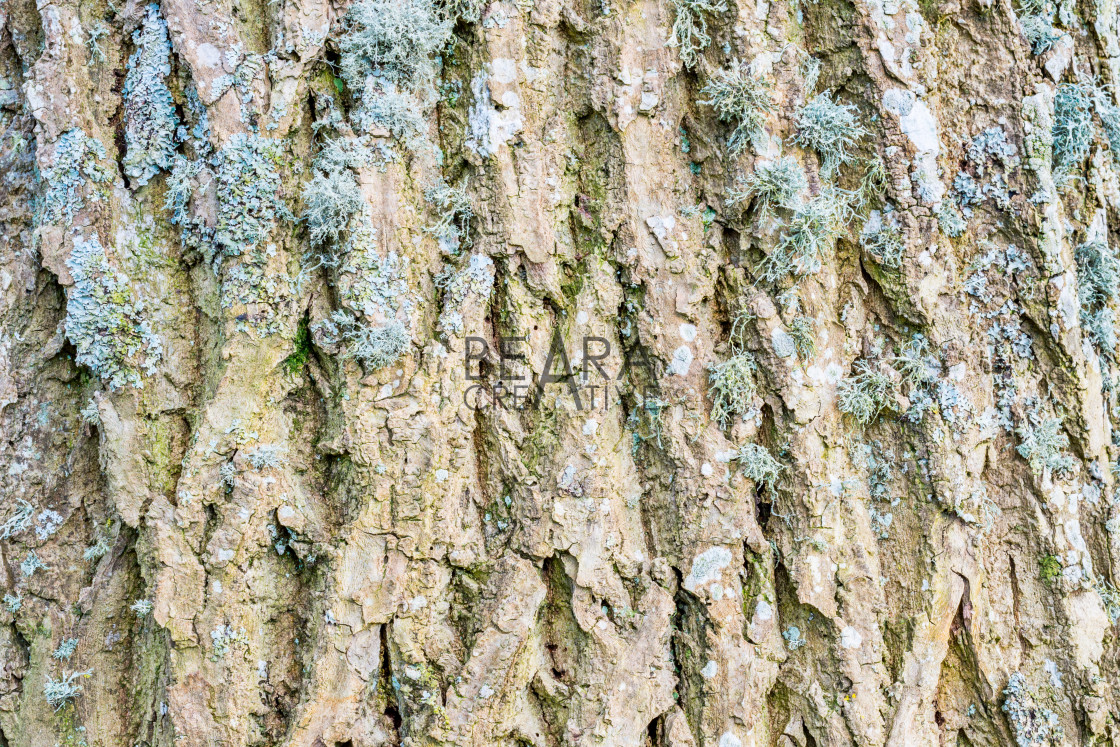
(851, 482)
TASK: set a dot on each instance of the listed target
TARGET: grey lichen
(389, 52)
(742, 99)
(373, 347)
(30, 564)
(1073, 128)
(950, 220)
(1098, 283)
(690, 27)
(393, 40)
(105, 320)
(65, 649)
(1033, 725)
(831, 129)
(61, 691)
(78, 160)
(19, 520)
(732, 387)
(150, 118)
(1037, 19)
(776, 183)
(758, 464)
(248, 182)
(866, 393)
(1042, 443)
(330, 200)
(882, 238)
(809, 237)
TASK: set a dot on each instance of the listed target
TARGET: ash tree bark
(548, 372)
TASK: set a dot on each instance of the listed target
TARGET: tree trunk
(558, 373)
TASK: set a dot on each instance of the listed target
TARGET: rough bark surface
(851, 481)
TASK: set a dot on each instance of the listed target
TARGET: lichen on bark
(652, 373)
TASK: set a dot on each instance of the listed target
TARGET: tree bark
(391, 373)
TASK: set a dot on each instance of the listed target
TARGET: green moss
(295, 362)
(1049, 568)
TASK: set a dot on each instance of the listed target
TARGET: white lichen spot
(850, 637)
(682, 361)
(707, 567)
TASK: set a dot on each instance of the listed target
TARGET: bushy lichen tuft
(1073, 128)
(774, 183)
(374, 347)
(732, 387)
(831, 129)
(60, 692)
(391, 40)
(690, 27)
(1098, 283)
(1037, 19)
(804, 337)
(1042, 444)
(915, 363)
(330, 200)
(742, 99)
(65, 649)
(882, 238)
(106, 322)
(18, 521)
(453, 212)
(150, 118)
(389, 55)
(866, 393)
(758, 464)
(1110, 118)
(1110, 598)
(809, 237)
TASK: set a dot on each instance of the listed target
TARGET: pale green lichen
(742, 99)
(106, 321)
(809, 237)
(732, 388)
(776, 183)
(150, 118)
(866, 393)
(758, 464)
(831, 129)
(77, 161)
(690, 27)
